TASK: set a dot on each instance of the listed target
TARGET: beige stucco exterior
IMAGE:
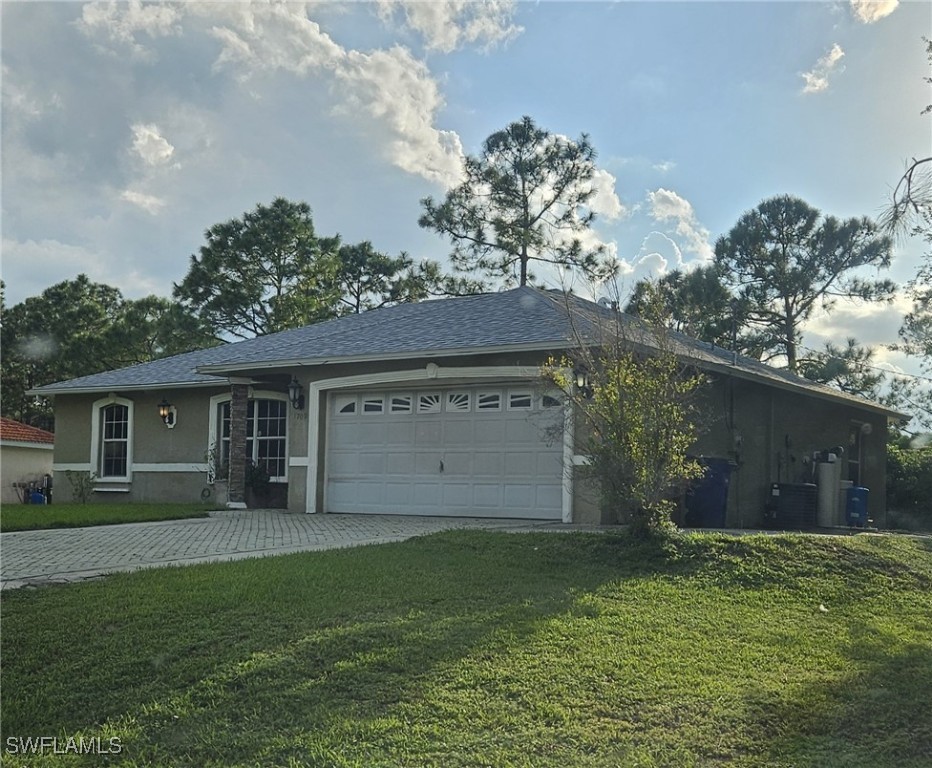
(769, 431)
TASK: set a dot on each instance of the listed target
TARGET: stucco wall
(168, 464)
(770, 433)
(22, 463)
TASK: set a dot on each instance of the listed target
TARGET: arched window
(112, 439)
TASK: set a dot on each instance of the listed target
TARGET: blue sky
(129, 129)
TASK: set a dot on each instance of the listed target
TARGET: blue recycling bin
(707, 498)
(856, 506)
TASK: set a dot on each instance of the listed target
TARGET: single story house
(25, 458)
(432, 408)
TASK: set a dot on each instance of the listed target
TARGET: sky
(128, 129)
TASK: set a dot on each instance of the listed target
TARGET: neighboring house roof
(516, 320)
(15, 432)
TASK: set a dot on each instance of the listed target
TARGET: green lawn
(490, 649)
(26, 517)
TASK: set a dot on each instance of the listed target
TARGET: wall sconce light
(296, 394)
(168, 413)
(581, 379)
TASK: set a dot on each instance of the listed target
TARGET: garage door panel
(520, 464)
(428, 433)
(489, 432)
(428, 494)
(400, 434)
(487, 496)
(489, 463)
(399, 463)
(427, 463)
(442, 462)
(458, 433)
(457, 463)
(343, 464)
(344, 433)
(372, 432)
(398, 494)
(457, 495)
(520, 495)
(372, 463)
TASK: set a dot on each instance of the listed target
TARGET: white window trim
(516, 373)
(213, 428)
(96, 458)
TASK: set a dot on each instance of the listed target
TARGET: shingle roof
(522, 318)
(16, 432)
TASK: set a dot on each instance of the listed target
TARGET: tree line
(525, 200)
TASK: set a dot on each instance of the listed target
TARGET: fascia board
(223, 369)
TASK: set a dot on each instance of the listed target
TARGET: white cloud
(400, 98)
(869, 11)
(270, 37)
(391, 89)
(817, 78)
(665, 166)
(446, 26)
(605, 201)
(667, 206)
(22, 100)
(150, 145)
(122, 22)
(148, 203)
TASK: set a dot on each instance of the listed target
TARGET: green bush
(909, 487)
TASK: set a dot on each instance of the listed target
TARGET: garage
(487, 451)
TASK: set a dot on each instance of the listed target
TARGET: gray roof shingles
(522, 317)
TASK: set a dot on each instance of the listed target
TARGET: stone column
(239, 405)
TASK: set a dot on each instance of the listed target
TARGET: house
(433, 408)
(25, 458)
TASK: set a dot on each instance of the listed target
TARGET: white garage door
(467, 451)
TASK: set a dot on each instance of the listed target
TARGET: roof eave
(52, 390)
(789, 386)
(307, 362)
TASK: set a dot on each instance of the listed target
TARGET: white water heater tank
(828, 478)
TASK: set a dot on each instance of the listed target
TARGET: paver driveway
(73, 554)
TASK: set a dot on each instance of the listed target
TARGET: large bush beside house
(909, 487)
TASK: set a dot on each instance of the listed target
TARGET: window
(428, 403)
(373, 404)
(266, 435)
(519, 401)
(549, 401)
(458, 402)
(345, 404)
(114, 441)
(489, 401)
(401, 403)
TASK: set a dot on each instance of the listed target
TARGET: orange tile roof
(23, 433)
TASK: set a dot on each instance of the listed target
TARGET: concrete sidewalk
(73, 554)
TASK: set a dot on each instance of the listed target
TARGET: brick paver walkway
(73, 554)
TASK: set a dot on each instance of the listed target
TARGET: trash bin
(856, 506)
(707, 497)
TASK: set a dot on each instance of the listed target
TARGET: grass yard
(489, 649)
(27, 517)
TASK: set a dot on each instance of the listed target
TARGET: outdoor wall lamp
(296, 394)
(168, 413)
(581, 379)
